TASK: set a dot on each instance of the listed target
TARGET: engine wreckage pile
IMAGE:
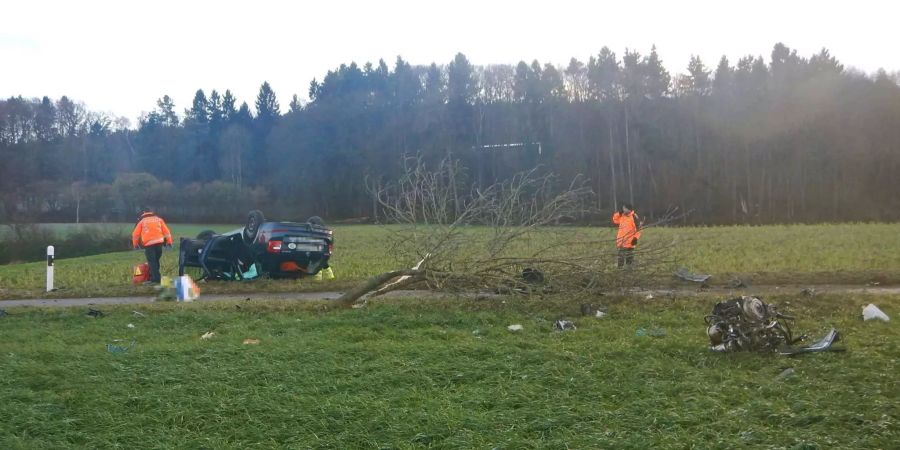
(748, 324)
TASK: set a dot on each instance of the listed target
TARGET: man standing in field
(627, 237)
(151, 233)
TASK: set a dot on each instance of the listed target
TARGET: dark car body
(289, 247)
(276, 249)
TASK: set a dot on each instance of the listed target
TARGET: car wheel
(316, 220)
(205, 234)
(254, 220)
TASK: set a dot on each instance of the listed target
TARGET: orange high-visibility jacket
(150, 230)
(628, 230)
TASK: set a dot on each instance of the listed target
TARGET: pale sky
(120, 56)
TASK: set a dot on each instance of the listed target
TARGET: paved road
(96, 301)
(307, 296)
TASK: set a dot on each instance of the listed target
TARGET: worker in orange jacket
(627, 237)
(151, 233)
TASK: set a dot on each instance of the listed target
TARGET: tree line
(788, 139)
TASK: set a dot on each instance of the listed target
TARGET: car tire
(205, 234)
(254, 220)
(316, 220)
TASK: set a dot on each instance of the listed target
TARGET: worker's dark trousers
(626, 257)
(153, 254)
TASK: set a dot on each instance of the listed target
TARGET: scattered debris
(652, 332)
(871, 312)
(819, 346)
(874, 283)
(649, 297)
(786, 373)
(3, 313)
(515, 327)
(737, 283)
(208, 335)
(564, 325)
(532, 276)
(747, 324)
(809, 292)
(685, 275)
(186, 290)
(250, 341)
(138, 314)
(130, 325)
(117, 348)
(588, 309)
(95, 313)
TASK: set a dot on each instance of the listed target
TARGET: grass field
(439, 374)
(414, 373)
(798, 254)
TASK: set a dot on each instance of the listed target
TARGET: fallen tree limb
(440, 220)
(402, 280)
(374, 283)
(400, 283)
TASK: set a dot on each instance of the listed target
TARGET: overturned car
(272, 248)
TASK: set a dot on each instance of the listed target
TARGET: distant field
(843, 253)
(189, 230)
(439, 374)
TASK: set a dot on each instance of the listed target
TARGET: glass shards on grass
(650, 331)
(116, 347)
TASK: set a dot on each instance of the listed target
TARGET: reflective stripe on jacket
(150, 230)
(628, 230)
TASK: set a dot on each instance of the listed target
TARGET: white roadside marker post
(50, 255)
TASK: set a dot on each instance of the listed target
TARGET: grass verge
(797, 254)
(442, 373)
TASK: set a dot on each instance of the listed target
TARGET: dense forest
(789, 139)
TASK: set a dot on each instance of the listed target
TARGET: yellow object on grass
(324, 274)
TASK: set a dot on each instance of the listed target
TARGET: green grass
(796, 254)
(187, 230)
(110, 274)
(441, 374)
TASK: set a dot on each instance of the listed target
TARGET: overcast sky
(120, 56)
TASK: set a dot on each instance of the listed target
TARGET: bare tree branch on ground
(503, 238)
